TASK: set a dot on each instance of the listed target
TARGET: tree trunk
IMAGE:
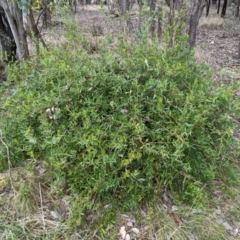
(169, 2)
(15, 21)
(152, 13)
(159, 21)
(171, 22)
(218, 7)
(224, 8)
(237, 4)
(32, 30)
(9, 48)
(73, 5)
(208, 7)
(46, 16)
(123, 6)
(196, 12)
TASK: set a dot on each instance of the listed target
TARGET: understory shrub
(120, 125)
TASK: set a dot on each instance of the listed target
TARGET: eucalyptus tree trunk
(15, 21)
(123, 6)
(124, 10)
(192, 10)
(195, 11)
(8, 45)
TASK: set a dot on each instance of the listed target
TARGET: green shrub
(126, 123)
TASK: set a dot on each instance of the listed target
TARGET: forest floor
(217, 46)
(218, 43)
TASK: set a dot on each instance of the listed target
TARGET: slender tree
(15, 20)
(46, 15)
(195, 12)
(152, 10)
(237, 5)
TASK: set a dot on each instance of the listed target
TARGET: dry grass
(27, 214)
(203, 57)
(26, 210)
(212, 23)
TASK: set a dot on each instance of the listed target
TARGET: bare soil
(218, 42)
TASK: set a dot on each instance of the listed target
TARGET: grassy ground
(31, 210)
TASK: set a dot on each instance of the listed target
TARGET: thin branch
(40, 193)
(40, 14)
(9, 162)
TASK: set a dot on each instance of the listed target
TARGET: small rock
(127, 237)
(227, 226)
(65, 201)
(124, 110)
(11, 195)
(55, 215)
(218, 212)
(145, 228)
(129, 224)
(125, 216)
(143, 213)
(107, 206)
(235, 232)
(135, 230)
(165, 206)
(219, 221)
(123, 232)
(174, 208)
(191, 237)
(128, 218)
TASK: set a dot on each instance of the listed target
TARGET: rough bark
(123, 6)
(218, 7)
(195, 14)
(170, 2)
(208, 7)
(237, 5)
(15, 21)
(224, 8)
(8, 45)
(73, 5)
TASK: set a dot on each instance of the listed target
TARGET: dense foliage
(119, 125)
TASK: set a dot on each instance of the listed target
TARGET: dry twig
(9, 163)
